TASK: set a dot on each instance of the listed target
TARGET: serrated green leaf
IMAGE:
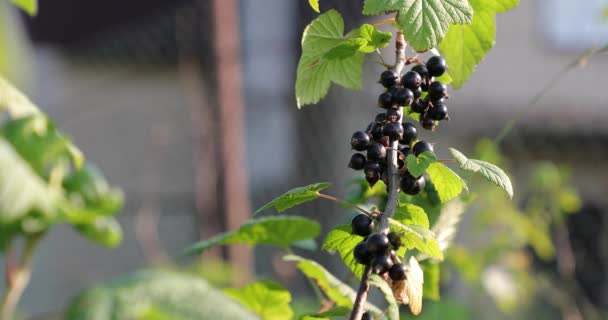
(342, 241)
(381, 6)
(416, 166)
(374, 37)
(336, 290)
(316, 73)
(275, 231)
(417, 237)
(430, 289)
(179, 296)
(314, 4)
(465, 46)
(268, 299)
(295, 197)
(29, 6)
(410, 214)
(392, 311)
(489, 171)
(447, 183)
(346, 49)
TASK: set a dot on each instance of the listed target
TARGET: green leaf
(417, 237)
(176, 295)
(487, 170)
(276, 231)
(315, 72)
(342, 241)
(29, 6)
(447, 225)
(430, 288)
(314, 4)
(295, 197)
(15, 102)
(447, 183)
(392, 311)
(104, 231)
(424, 22)
(268, 299)
(336, 290)
(334, 313)
(346, 49)
(465, 46)
(410, 214)
(374, 37)
(418, 165)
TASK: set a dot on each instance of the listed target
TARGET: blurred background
(189, 107)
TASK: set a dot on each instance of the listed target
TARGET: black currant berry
(388, 78)
(436, 66)
(366, 316)
(393, 130)
(393, 90)
(410, 133)
(403, 97)
(361, 254)
(398, 272)
(384, 176)
(411, 185)
(377, 244)
(421, 70)
(419, 106)
(405, 150)
(394, 239)
(437, 90)
(362, 225)
(357, 161)
(372, 180)
(438, 112)
(380, 117)
(377, 131)
(393, 115)
(385, 100)
(372, 169)
(385, 141)
(360, 141)
(427, 122)
(417, 92)
(376, 152)
(411, 80)
(422, 146)
(381, 264)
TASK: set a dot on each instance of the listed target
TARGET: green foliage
(417, 237)
(487, 170)
(335, 313)
(268, 299)
(275, 231)
(423, 22)
(294, 197)
(168, 294)
(336, 290)
(342, 241)
(314, 4)
(447, 183)
(430, 287)
(465, 46)
(29, 6)
(392, 311)
(418, 165)
(410, 214)
(447, 224)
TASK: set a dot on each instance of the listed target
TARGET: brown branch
(359, 306)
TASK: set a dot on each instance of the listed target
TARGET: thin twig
(384, 21)
(344, 202)
(378, 62)
(358, 307)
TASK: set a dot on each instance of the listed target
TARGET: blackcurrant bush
(395, 240)
(438, 112)
(436, 66)
(427, 122)
(357, 161)
(393, 115)
(376, 152)
(377, 244)
(417, 92)
(360, 141)
(385, 100)
(398, 272)
(411, 185)
(410, 133)
(372, 169)
(403, 97)
(411, 80)
(380, 117)
(362, 225)
(422, 146)
(377, 131)
(419, 106)
(393, 130)
(381, 264)
(362, 255)
(437, 90)
(388, 78)
(366, 316)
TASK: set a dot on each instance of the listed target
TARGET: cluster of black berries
(377, 250)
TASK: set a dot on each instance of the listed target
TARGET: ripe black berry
(417, 92)
(376, 152)
(366, 316)
(393, 130)
(372, 169)
(385, 141)
(362, 225)
(393, 90)
(411, 80)
(436, 66)
(377, 244)
(411, 185)
(437, 90)
(403, 97)
(421, 70)
(410, 133)
(380, 117)
(372, 180)
(427, 122)
(388, 78)
(357, 161)
(384, 175)
(422, 146)
(362, 255)
(405, 150)
(377, 131)
(419, 106)
(393, 115)
(438, 112)
(398, 272)
(360, 141)
(394, 239)
(381, 264)
(385, 100)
